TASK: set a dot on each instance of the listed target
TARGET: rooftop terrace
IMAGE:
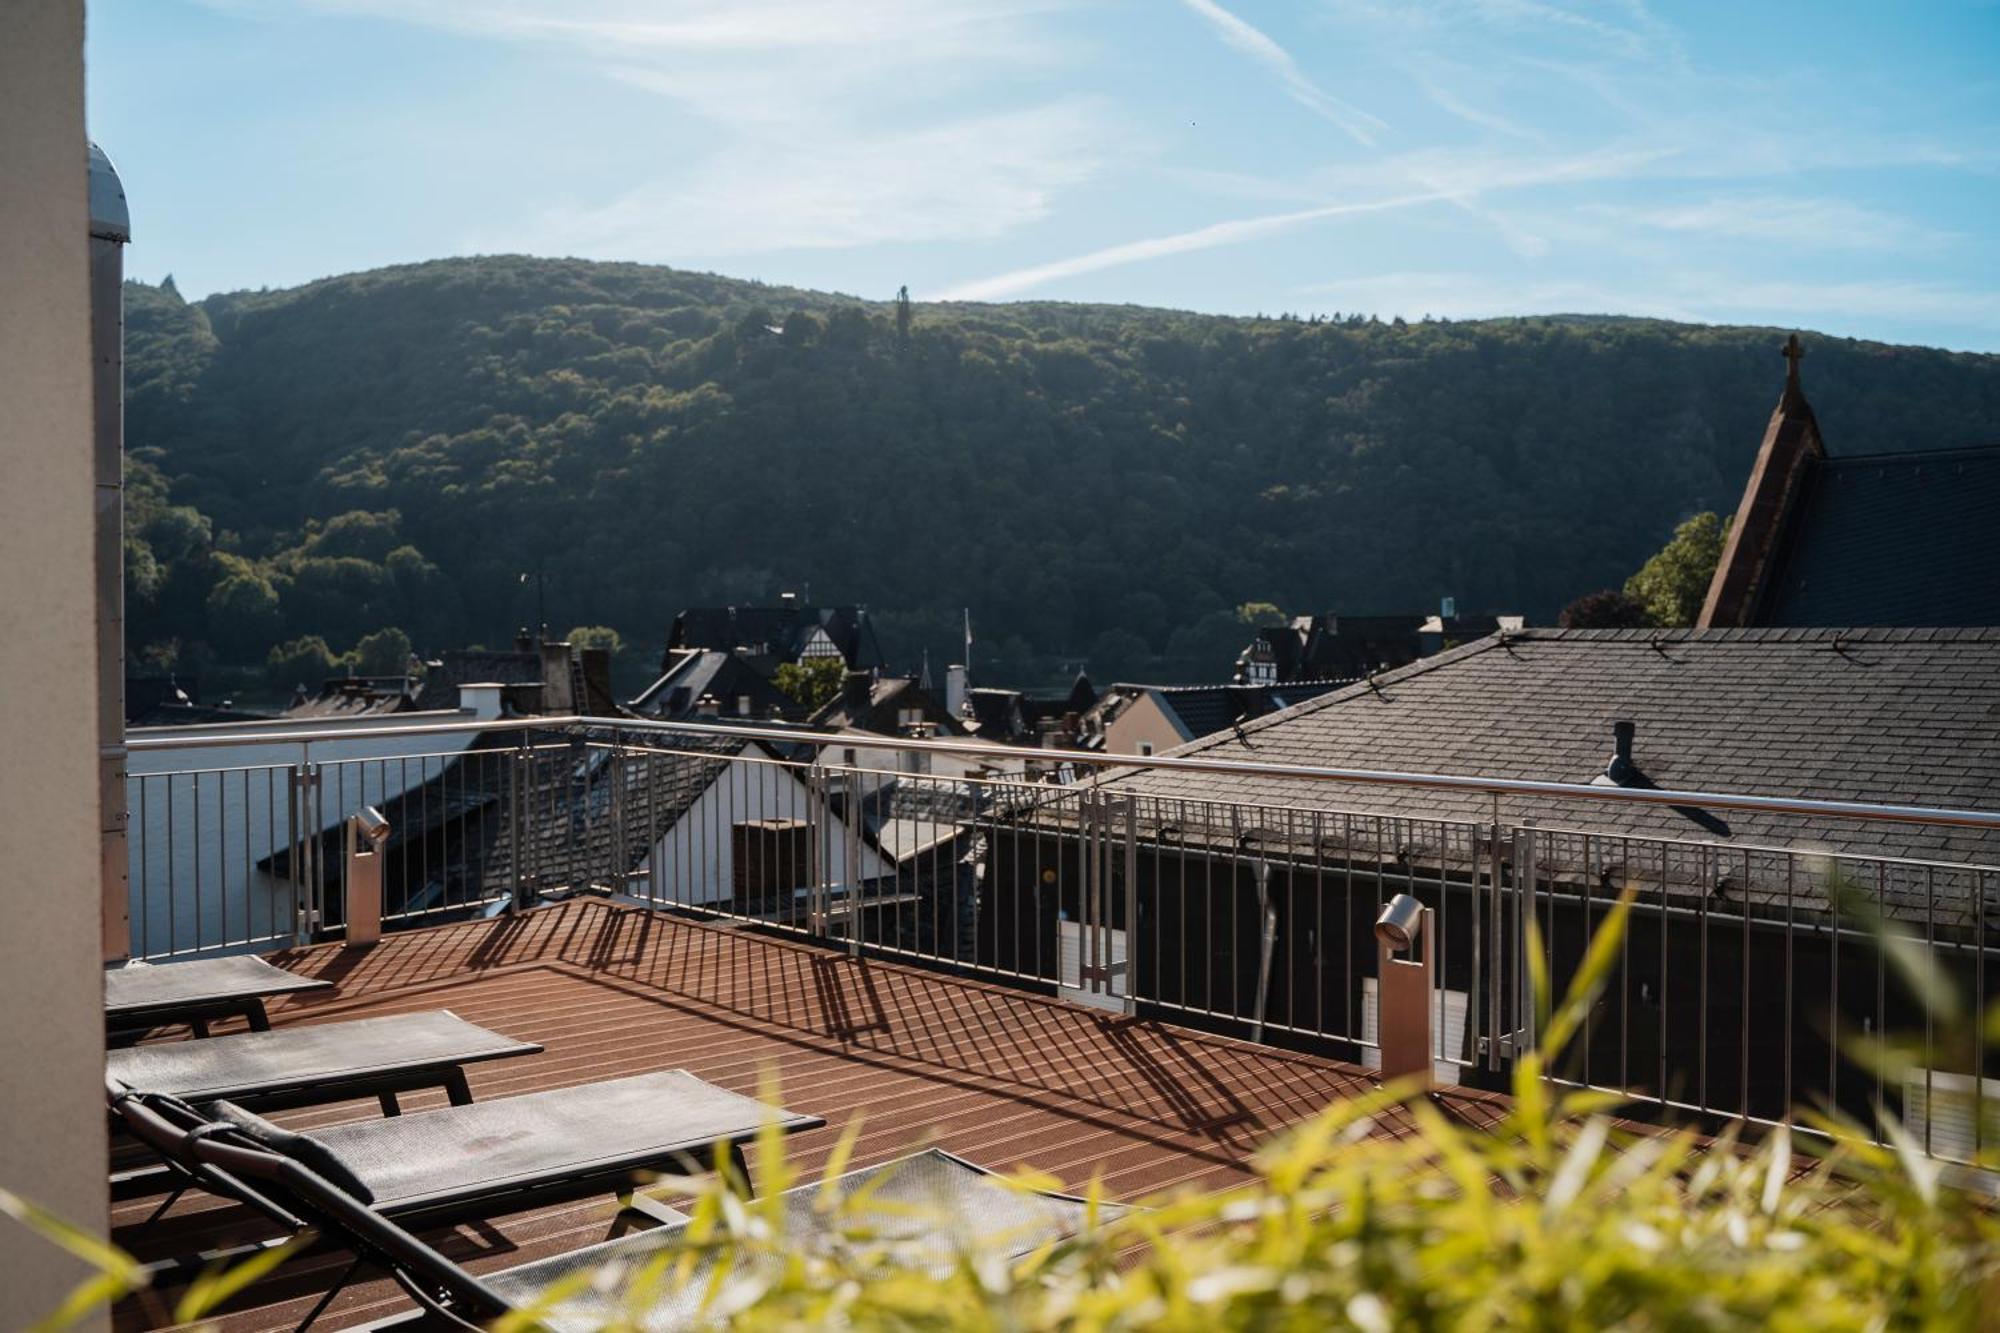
(993, 1074)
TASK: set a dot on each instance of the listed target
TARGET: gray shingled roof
(1894, 539)
(1895, 716)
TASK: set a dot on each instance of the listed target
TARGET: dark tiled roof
(1891, 716)
(475, 667)
(1894, 539)
(164, 714)
(887, 697)
(1203, 710)
(996, 714)
(355, 698)
(778, 631)
(691, 673)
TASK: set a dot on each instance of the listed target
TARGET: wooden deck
(995, 1075)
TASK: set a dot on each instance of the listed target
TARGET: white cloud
(969, 179)
(1251, 41)
(1697, 296)
(1449, 190)
(1786, 220)
(806, 114)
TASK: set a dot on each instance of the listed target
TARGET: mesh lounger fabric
(158, 987)
(431, 1158)
(936, 1207)
(250, 1064)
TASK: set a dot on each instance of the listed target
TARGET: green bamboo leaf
(219, 1282)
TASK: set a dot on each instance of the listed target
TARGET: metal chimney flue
(1621, 768)
(110, 230)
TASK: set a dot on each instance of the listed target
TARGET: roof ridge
(1917, 455)
(1367, 685)
(1769, 634)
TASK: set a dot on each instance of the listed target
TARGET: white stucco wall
(51, 982)
(695, 862)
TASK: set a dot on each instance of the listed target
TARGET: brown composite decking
(993, 1074)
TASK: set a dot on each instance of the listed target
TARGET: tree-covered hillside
(396, 448)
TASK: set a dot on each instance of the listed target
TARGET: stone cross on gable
(1793, 351)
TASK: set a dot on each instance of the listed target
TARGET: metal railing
(1748, 971)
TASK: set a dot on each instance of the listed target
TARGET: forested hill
(395, 449)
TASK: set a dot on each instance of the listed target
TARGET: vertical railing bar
(1704, 877)
(1791, 998)
(1661, 1090)
(1930, 1036)
(1590, 861)
(173, 873)
(1881, 970)
(1347, 985)
(1833, 995)
(1495, 942)
(145, 871)
(1979, 1055)
(1743, 1037)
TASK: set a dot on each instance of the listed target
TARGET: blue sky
(1821, 165)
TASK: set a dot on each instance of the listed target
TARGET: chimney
(1620, 770)
(855, 687)
(954, 690)
(707, 706)
(524, 642)
(558, 679)
(481, 699)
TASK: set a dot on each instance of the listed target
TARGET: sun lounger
(607, 1135)
(932, 1206)
(147, 995)
(618, 1135)
(320, 1062)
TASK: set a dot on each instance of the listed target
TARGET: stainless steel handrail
(1561, 791)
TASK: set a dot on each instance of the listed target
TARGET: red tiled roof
(996, 1075)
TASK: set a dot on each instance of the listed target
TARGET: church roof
(1828, 538)
(1894, 539)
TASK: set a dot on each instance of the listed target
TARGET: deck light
(1400, 921)
(370, 824)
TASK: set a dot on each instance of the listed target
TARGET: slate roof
(1895, 716)
(1201, 710)
(1893, 539)
(778, 631)
(475, 667)
(693, 672)
(355, 697)
(887, 696)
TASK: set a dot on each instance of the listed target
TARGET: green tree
(903, 313)
(597, 636)
(303, 661)
(814, 682)
(1608, 609)
(1672, 585)
(243, 615)
(386, 652)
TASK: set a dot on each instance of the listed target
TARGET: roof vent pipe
(1620, 768)
(110, 229)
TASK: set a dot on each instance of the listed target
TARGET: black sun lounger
(319, 1062)
(617, 1131)
(148, 995)
(931, 1206)
(497, 1156)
